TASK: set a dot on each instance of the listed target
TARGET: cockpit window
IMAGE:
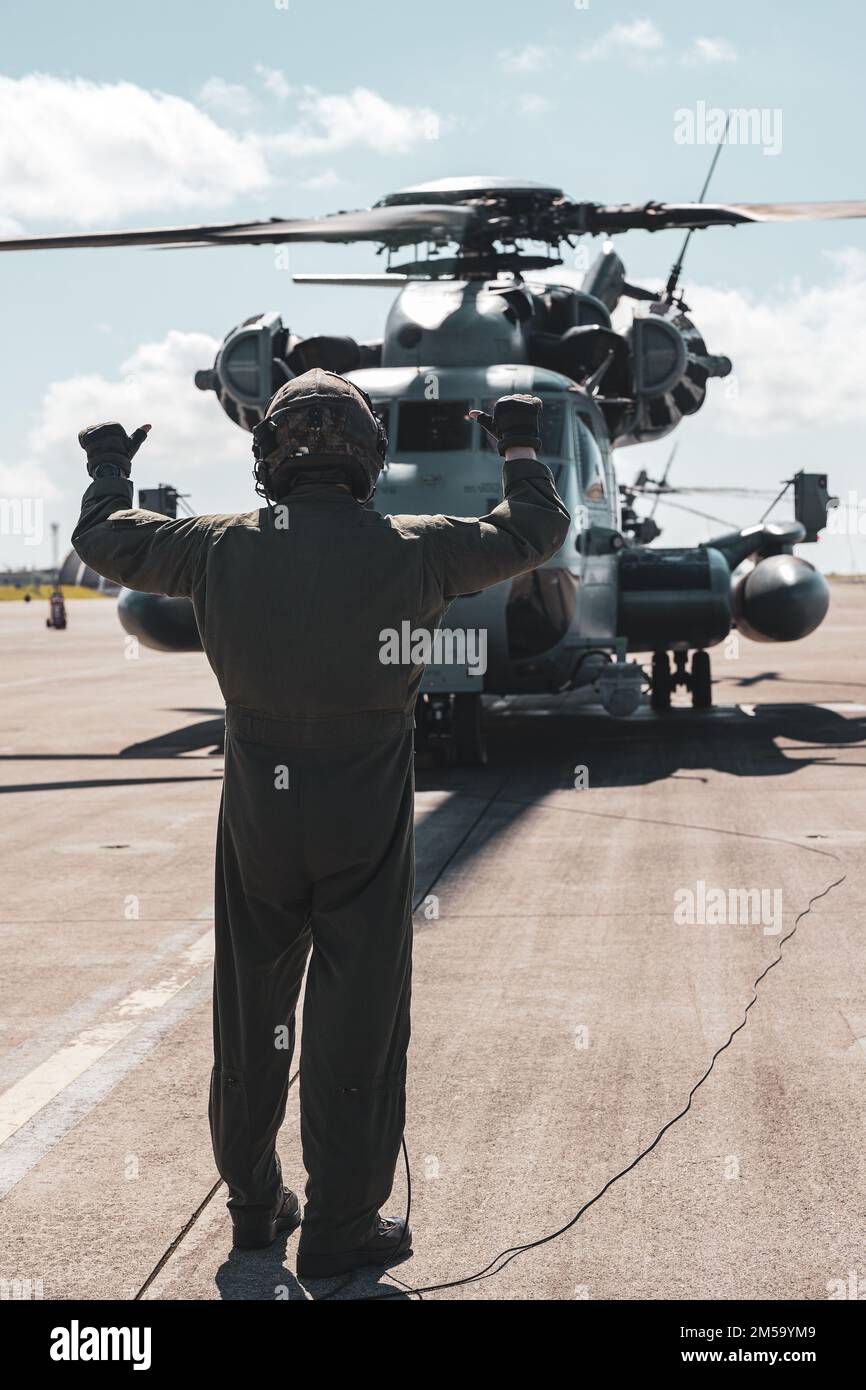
(425, 427)
(591, 463)
(552, 418)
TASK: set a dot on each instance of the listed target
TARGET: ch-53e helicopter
(478, 315)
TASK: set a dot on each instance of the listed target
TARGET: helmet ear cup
(263, 437)
(381, 432)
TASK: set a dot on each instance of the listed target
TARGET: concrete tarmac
(566, 1011)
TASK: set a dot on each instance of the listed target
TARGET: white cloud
(274, 82)
(531, 104)
(640, 43)
(26, 479)
(330, 123)
(710, 51)
(154, 385)
(193, 444)
(531, 57)
(232, 97)
(799, 355)
(86, 152)
(327, 179)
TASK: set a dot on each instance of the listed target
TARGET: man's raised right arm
(527, 527)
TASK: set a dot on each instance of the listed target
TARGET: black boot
(255, 1229)
(390, 1240)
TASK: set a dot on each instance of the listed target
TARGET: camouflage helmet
(321, 426)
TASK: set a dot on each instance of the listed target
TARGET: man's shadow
(264, 1275)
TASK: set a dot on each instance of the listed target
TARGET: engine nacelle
(779, 599)
(256, 358)
(670, 370)
(164, 624)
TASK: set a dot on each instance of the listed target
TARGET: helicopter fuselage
(440, 462)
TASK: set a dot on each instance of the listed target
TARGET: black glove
(110, 449)
(514, 424)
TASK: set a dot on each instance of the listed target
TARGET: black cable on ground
(499, 1262)
(166, 1256)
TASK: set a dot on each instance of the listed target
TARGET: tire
(467, 731)
(701, 681)
(660, 696)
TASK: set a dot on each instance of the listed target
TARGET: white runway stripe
(56, 1030)
(30, 1144)
(41, 1085)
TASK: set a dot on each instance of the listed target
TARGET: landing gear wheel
(660, 697)
(701, 681)
(432, 726)
(467, 730)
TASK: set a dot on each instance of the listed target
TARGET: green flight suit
(315, 837)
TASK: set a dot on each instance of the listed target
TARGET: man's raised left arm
(138, 549)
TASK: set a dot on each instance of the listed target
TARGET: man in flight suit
(315, 848)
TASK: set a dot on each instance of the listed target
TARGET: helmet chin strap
(336, 477)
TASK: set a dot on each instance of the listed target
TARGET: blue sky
(244, 110)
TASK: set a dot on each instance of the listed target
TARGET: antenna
(664, 478)
(677, 267)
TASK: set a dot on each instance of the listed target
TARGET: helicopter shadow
(537, 734)
(684, 744)
(780, 679)
(204, 736)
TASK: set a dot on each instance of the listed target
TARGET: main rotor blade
(373, 280)
(397, 226)
(697, 491)
(656, 217)
(693, 511)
